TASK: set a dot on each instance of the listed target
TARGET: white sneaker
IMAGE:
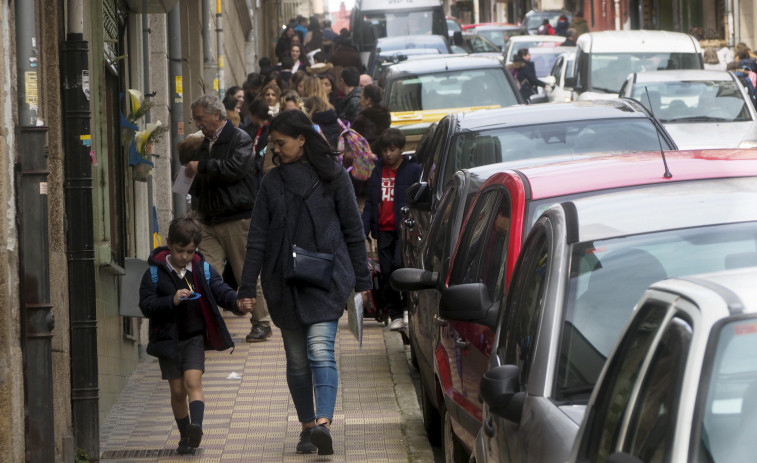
(397, 324)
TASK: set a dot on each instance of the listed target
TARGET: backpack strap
(207, 272)
(154, 275)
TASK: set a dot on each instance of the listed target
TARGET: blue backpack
(154, 273)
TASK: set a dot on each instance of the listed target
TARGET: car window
(694, 101)
(518, 334)
(609, 70)
(652, 425)
(452, 89)
(473, 241)
(441, 231)
(557, 68)
(423, 150)
(730, 410)
(436, 149)
(601, 435)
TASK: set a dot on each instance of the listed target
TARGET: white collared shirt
(179, 272)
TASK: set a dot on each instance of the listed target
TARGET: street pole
(210, 77)
(80, 234)
(176, 89)
(219, 44)
(34, 266)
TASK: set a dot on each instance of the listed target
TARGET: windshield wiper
(602, 89)
(699, 119)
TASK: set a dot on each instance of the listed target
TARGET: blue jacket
(409, 172)
(156, 303)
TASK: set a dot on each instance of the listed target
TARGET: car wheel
(453, 451)
(431, 418)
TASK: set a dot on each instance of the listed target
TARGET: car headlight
(748, 144)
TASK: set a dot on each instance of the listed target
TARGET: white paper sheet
(355, 316)
(182, 183)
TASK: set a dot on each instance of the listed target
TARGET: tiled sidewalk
(252, 419)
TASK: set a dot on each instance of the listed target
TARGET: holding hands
(246, 305)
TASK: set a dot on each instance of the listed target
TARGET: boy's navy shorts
(191, 357)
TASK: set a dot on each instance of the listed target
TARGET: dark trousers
(390, 260)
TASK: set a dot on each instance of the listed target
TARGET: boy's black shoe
(194, 435)
(184, 448)
(321, 437)
(305, 445)
(259, 333)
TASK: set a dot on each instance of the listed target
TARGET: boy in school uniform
(180, 294)
(387, 187)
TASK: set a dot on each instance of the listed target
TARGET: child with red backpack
(387, 188)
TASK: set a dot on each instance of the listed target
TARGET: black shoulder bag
(309, 268)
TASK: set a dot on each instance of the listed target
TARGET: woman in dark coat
(306, 200)
(524, 72)
(373, 117)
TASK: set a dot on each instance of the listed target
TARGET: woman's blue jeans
(311, 367)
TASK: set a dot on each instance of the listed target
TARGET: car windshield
(530, 44)
(452, 89)
(471, 148)
(609, 70)
(694, 101)
(730, 410)
(608, 277)
(544, 59)
(453, 26)
(535, 20)
(392, 24)
(497, 37)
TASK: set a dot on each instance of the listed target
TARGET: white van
(374, 19)
(604, 59)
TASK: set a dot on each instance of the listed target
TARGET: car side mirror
(538, 99)
(413, 279)
(418, 196)
(499, 389)
(457, 38)
(570, 82)
(469, 303)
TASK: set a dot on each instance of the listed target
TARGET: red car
(505, 208)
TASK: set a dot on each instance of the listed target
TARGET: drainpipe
(34, 266)
(176, 89)
(80, 248)
(211, 84)
(219, 44)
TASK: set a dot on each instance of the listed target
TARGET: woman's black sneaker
(321, 437)
(194, 434)
(305, 445)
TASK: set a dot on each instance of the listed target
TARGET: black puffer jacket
(224, 187)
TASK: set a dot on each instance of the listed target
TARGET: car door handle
(409, 223)
(439, 321)
(488, 428)
(462, 345)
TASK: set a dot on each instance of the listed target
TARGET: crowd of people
(270, 165)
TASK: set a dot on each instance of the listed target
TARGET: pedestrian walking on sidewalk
(223, 193)
(179, 294)
(307, 200)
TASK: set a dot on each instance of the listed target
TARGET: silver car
(585, 263)
(681, 384)
(700, 109)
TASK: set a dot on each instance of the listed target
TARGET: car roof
(630, 41)
(617, 171)
(540, 38)
(443, 63)
(736, 286)
(682, 75)
(519, 115)
(549, 50)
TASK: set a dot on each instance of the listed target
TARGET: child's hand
(180, 295)
(246, 305)
(366, 297)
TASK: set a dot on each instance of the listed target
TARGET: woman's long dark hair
(318, 152)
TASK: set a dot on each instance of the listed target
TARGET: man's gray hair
(211, 104)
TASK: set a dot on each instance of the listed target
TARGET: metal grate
(142, 453)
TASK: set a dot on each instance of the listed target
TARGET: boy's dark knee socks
(196, 411)
(182, 424)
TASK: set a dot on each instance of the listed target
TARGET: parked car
(562, 77)
(544, 59)
(476, 44)
(482, 140)
(604, 59)
(531, 42)
(681, 383)
(700, 109)
(407, 44)
(497, 33)
(584, 263)
(535, 18)
(427, 90)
